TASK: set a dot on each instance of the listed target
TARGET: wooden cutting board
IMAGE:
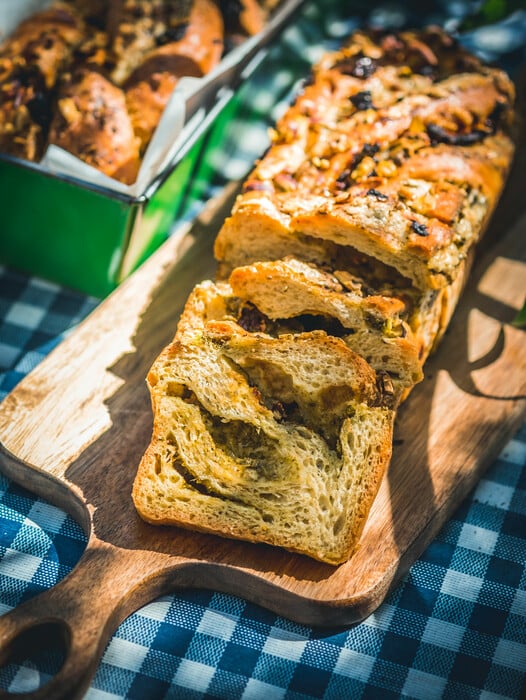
(74, 430)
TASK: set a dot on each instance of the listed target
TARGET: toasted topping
(398, 147)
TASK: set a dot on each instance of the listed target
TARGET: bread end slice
(239, 448)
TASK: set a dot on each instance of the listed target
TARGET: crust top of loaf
(398, 147)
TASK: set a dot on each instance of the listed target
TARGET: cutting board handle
(81, 612)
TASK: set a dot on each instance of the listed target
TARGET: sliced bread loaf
(261, 438)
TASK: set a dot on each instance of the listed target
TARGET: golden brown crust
(92, 123)
(31, 60)
(45, 41)
(293, 279)
(402, 161)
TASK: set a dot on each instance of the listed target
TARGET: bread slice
(385, 341)
(398, 148)
(380, 340)
(259, 438)
(212, 306)
(371, 323)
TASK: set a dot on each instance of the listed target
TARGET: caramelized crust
(44, 42)
(398, 147)
(92, 123)
(30, 63)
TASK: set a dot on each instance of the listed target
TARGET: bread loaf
(339, 269)
(94, 77)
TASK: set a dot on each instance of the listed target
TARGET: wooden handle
(81, 611)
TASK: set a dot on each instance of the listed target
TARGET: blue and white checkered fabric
(34, 315)
(455, 628)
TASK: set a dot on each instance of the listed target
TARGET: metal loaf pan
(90, 233)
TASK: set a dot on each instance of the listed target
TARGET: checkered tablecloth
(454, 628)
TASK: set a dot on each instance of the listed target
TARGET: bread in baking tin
(243, 18)
(83, 53)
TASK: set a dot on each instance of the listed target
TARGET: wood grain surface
(74, 430)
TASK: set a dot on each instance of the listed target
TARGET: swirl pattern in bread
(276, 439)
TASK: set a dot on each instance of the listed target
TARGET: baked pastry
(398, 147)
(44, 42)
(339, 270)
(92, 122)
(196, 50)
(31, 60)
(257, 438)
(94, 77)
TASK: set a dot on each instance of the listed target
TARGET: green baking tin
(85, 238)
(89, 237)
